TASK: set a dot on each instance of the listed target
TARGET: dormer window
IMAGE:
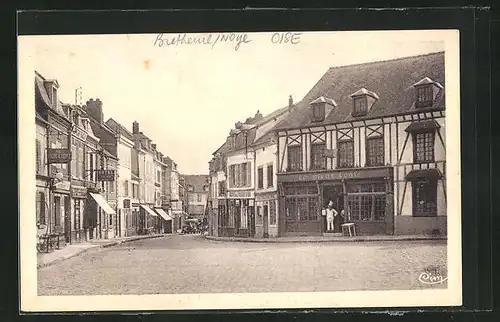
(426, 91)
(321, 107)
(363, 100)
(360, 107)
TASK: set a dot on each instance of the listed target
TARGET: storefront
(148, 220)
(103, 213)
(363, 196)
(165, 223)
(266, 206)
(240, 215)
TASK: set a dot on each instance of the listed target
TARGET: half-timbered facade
(369, 138)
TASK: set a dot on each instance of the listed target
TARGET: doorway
(265, 221)
(333, 193)
(67, 220)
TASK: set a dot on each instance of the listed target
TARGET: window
(366, 202)
(424, 197)
(232, 175)
(423, 147)
(111, 186)
(158, 176)
(222, 188)
(270, 177)
(239, 175)
(345, 154)
(295, 158)
(424, 96)
(318, 160)
(318, 112)
(272, 212)
(375, 151)
(360, 106)
(40, 208)
(301, 204)
(92, 174)
(125, 188)
(260, 178)
(81, 155)
(198, 196)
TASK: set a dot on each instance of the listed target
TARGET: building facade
(373, 145)
(197, 195)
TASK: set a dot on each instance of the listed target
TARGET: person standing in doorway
(331, 217)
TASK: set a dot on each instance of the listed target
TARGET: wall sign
(58, 155)
(240, 194)
(336, 175)
(63, 185)
(79, 192)
(105, 175)
(126, 203)
(80, 133)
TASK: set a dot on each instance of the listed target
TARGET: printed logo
(432, 275)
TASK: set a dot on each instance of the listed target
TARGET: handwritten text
(211, 39)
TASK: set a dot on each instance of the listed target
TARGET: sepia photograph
(239, 170)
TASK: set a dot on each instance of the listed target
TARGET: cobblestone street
(192, 264)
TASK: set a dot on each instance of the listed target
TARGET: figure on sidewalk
(331, 215)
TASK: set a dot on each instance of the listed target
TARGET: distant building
(197, 194)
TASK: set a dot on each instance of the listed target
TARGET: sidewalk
(58, 255)
(326, 239)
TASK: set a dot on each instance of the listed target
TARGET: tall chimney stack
(135, 128)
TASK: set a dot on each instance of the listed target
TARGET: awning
(102, 203)
(424, 174)
(178, 212)
(149, 211)
(423, 126)
(163, 214)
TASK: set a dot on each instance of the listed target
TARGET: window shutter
(238, 175)
(248, 174)
(38, 156)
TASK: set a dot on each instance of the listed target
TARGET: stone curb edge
(83, 251)
(347, 239)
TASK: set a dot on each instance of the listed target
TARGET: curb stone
(95, 247)
(343, 240)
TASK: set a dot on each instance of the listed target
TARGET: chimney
(94, 110)
(290, 102)
(135, 128)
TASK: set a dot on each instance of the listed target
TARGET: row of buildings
(367, 138)
(96, 179)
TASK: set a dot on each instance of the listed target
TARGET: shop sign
(135, 204)
(240, 194)
(80, 133)
(335, 175)
(79, 192)
(58, 155)
(105, 175)
(63, 185)
(126, 203)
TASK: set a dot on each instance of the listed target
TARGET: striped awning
(163, 214)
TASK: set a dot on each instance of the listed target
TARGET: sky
(187, 97)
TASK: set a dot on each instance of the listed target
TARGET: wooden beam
(441, 139)
(285, 148)
(404, 146)
(402, 199)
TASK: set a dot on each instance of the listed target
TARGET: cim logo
(432, 275)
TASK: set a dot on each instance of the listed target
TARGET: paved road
(191, 264)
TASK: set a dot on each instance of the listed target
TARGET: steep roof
(119, 128)
(196, 180)
(391, 80)
(41, 91)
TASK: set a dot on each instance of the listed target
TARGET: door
(251, 221)
(334, 194)
(67, 220)
(265, 221)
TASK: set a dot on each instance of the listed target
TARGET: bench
(349, 229)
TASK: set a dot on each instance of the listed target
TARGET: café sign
(58, 155)
(336, 175)
(79, 191)
(105, 175)
(63, 185)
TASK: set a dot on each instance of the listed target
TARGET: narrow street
(192, 264)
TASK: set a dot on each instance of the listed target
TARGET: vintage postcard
(240, 170)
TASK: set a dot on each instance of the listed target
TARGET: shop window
(57, 211)
(270, 177)
(345, 154)
(295, 158)
(272, 213)
(424, 198)
(301, 208)
(423, 146)
(318, 160)
(260, 178)
(375, 151)
(366, 202)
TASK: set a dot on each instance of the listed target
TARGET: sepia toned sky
(186, 98)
